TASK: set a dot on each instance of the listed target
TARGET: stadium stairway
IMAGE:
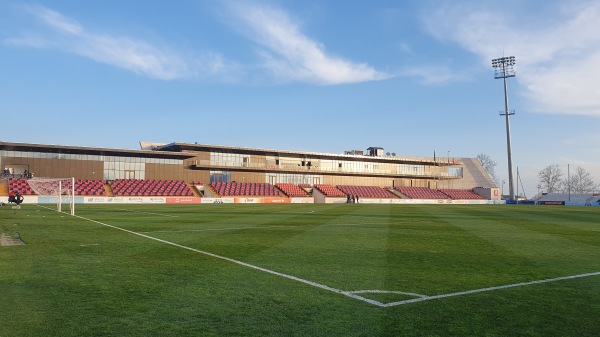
(194, 190)
(3, 187)
(108, 189)
(396, 193)
(210, 192)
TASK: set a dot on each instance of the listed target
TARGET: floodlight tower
(504, 68)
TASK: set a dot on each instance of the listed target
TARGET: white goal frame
(54, 187)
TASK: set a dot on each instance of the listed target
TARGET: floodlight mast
(504, 68)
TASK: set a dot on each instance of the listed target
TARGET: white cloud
(287, 52)
(137, 56)
(55, 20)
(27, 41)
(124, 52)
(557, 52)
(293, 56)
(430, 75)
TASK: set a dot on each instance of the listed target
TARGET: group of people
(27, 174)
(14, 198)
(351, 199)
(6, 172)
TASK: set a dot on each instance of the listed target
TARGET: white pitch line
(314, 284)
(386, 292)
(474, 291)
(351, 294)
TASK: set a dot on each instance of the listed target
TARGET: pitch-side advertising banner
(263, 200)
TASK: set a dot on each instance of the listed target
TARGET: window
(220, 176)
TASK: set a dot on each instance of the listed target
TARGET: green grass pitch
(301, 270)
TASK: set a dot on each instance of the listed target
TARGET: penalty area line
(241, 263)
(351, 294)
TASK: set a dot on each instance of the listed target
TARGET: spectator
(18, 198)
(11, 197)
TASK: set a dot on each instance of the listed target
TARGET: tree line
(553, 180)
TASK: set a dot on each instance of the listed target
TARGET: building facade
(213, 163)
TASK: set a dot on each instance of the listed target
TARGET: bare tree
(550, 178)
(580, 182)
(489, 166)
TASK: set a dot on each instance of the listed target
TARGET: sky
(413, 77)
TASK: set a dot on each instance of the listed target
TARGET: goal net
(63, 189)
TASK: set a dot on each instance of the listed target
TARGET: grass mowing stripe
(121, 284)
(314, 284)
(218, 229)
(151, 213)
(525, 238)
(474, 291)
(352, 294)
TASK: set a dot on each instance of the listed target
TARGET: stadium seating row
(461, 194)
(143, 187)
(292, 190)
(120, 187)
(421, 193)
(82, 187)
(367, 192)
(20, 185)
(149, 187)
(245, 189)
(427, 193)
(330, 191)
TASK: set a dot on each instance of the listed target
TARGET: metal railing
(271, 167)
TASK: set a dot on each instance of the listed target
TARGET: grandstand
(421, 193)
(330, 191)
(176, 170)
(245, 189)
(292, 190)
(142, 187)
(461, 194)
(366, 191)
(563, 198)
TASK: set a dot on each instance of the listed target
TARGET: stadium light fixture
(504, 68)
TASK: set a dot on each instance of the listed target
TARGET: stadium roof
(6, 146)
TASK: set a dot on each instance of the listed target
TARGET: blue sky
(412, 77)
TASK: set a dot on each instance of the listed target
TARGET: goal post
(63, 189)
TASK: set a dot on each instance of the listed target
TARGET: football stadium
(201, 240)
(194, 173)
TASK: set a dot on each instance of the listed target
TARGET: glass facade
(124, 168)
(115, 167)
(411, 169)
(455, 172)
(229, 159)
(214, 165)
(296, 179)
(45, 155)
(220, 176)
(318, 165)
